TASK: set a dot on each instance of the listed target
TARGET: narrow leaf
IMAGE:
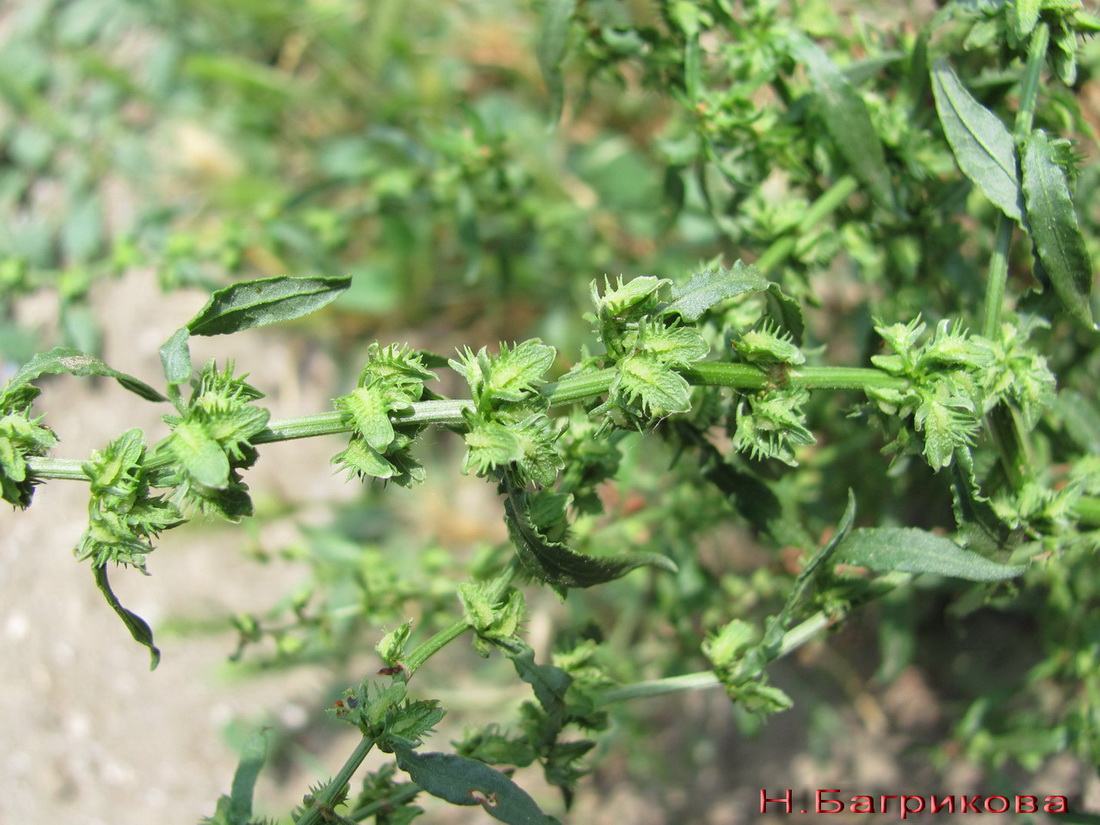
(74, 362)
(548, 682)
(1054, 227)
(462, 781)
(244, 780)
(706, 289)
(134, 623)
(559, 566)
(847, 120)
(553, 39)
(909, 550)
(265, 301)
(983, 147)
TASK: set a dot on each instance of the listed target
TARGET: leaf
(462, 781)
(244, 780)
(983, 147)
(74, 362)
(548, 681)
(175, 357)
(786, 313)
(847, 120)
(559, 566)
(553, 38)
(265, 301)
(134, 623)
(1053, 223)
(706, 289)
(909, 550)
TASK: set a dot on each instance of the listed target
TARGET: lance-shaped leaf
(462, 781)
(556, 564)
(909, 550)
(706, 289)
(847, 120)
(236, 809)
(983, 147)
(134, 623)
(74, 362)
(553, 39)
(265, 301)
(1054, 227)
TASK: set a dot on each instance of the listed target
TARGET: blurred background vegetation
(417, 146)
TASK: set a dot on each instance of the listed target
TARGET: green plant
(994, 432)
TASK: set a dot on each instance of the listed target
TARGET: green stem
(792, 640)
(570, 390)
(998, 278)
(399, 797)
(332, 794)
(1029, 87)
(748, 377)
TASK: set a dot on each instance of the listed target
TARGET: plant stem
(1029, 87)
(792, 640)
(331, 795)
(448, 412)
(998, 278)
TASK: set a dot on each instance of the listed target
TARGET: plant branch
(448, 412)
(792, 640)
(332, 794)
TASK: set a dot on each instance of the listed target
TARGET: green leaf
(909, 550)
(559, 566)
(175, 357)
(706, 289)
(549, 682)
(265, 301)
(462, 781)
(1053, 223)
(134, 623)
(553, 39)
(847, 120)
(982, 145)
(244, 780)
(74, 362)
(786, 313)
